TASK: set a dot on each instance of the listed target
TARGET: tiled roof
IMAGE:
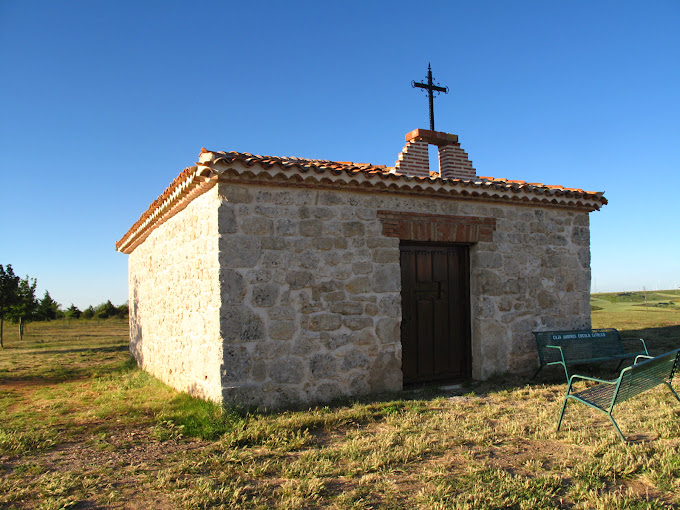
(303, 164)
(241, 166)
(381, 172)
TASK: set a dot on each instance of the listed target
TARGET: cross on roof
(430, 89)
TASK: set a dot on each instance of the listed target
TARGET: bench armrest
(586, 378)
(644, 344)
(641, 356)
(559, 348)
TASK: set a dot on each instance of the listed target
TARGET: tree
(9, 292)
(26, 305)
(88, 313)
(123, 310)
(48, 308)
(106, 310)
(72, 312)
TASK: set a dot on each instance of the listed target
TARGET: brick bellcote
(453, 161)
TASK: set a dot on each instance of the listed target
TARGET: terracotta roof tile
(197, 179)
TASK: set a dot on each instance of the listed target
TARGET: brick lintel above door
(438, 228)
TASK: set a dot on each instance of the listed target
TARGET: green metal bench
(583, 346)
(632, 381)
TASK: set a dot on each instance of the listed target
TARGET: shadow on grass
(111, 348)
(62, 374)
(658, 340)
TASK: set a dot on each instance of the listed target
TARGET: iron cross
(430, 89)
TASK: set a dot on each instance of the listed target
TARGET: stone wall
(310, 302)
(175, 299)
(310, 289)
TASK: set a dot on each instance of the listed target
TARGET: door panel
(435, 331)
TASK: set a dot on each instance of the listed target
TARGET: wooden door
(435, 328)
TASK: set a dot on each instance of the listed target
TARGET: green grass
(656, 321)
(82, 427)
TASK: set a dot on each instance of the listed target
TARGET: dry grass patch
(81, 427)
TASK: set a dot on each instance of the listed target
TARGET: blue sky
(104, 103)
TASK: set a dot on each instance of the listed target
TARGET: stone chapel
(274, 281)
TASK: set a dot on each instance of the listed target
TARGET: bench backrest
(580, 344)
(646, 375)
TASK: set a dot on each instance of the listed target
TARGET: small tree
(25, 308)
(9, 294)
(72, 312)
(123, 310)
(88, 313)
(106, 310)
(48, 308)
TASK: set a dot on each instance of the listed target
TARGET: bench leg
(537, 371)
(564, 406)
(616, 426)
(671, 388)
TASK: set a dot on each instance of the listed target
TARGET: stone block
(391, 305)
(330, 198)
(306, 345)
(232, 286)
(386, 374)
(281, 313)
(360, 268)
(265, 294)
(235, 194)
(236, 363)
(358, 285)
(276, 259)
(310, 228)
(287, 227)
(268, 211)
(343, 273)
(325, 322)
(287, 370)
(273, 243)
(371, 309)
(240, 324)
(333, 341)
(282, 330)
(322, 366)
(256, 225)
(353, 229)
(355, 359)
(326, 391)
(389, 330)
(308, 260)
(324, 243)
(324, 213)
(356, 323)
(332, 297)
(299, 279)
(386, 278)
(346, 308)
(386, 256)
(239, 251)
(258, 275)
(227, 220)
(581, 236)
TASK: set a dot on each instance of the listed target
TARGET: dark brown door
(435, 327)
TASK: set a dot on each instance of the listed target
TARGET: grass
(82, 427)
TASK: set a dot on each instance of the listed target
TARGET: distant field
(82, 427)
(654, 316)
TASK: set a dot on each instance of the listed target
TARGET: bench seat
(583, 346)
(647, 373)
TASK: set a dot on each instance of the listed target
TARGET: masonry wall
(175, 299)
(310, 287)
